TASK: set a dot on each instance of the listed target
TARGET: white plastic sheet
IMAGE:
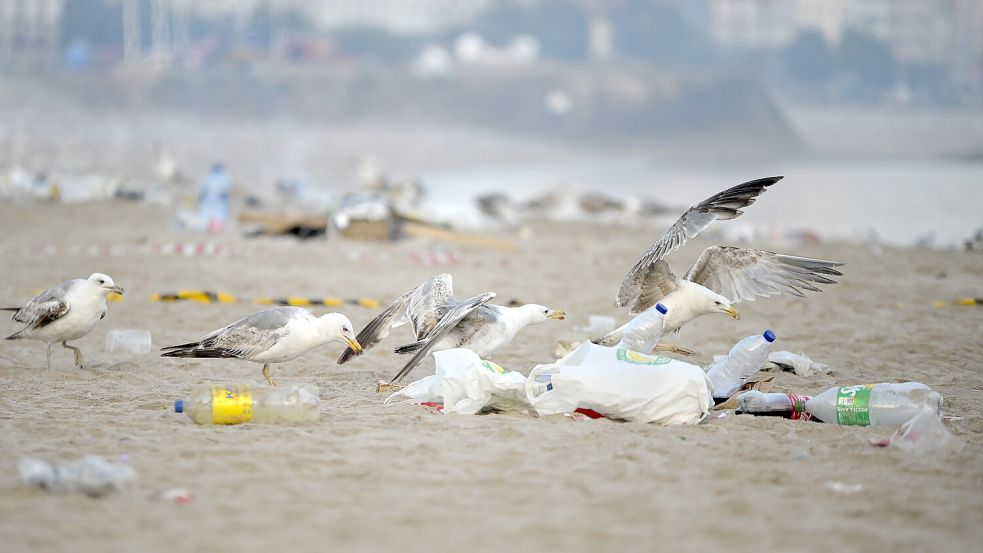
(621, 384)
(465, 385)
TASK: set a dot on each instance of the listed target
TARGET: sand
(369, 477)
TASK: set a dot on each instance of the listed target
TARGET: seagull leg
(49, 354)
(674, 348)
(78, 354)
(266, 374)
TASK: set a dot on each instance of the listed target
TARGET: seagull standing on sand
(274, 335)
(441, 322)
(723, 275)
(65, 313)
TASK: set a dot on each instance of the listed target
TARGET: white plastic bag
(465, 385)
(621, 384)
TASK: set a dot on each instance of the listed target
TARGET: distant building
(30, 32)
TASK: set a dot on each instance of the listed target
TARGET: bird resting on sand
(64, 313)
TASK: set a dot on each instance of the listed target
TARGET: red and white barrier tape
(188, 249)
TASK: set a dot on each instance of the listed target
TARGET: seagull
(274, 335)
(441, 322)
(65, 313)
(722, 276)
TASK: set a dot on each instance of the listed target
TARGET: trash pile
(626, 382)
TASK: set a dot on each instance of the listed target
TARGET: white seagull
(65, 313)
(441, 322)
(274, 335)
(722, 276)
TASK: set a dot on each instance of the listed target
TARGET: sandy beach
(369, 478)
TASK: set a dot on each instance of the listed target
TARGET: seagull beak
(558, 315)
(732, 312)
(117, 290)
(353, 343)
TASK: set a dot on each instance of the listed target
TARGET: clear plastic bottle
(745, 358)
(774, 404)
(239, 403)
(643, 333)
(873, 404)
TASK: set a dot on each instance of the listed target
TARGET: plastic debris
(745, 358)
(91, 475)
(923, 434)
(844, 488)
(621, 384)
(797, 363)
(465, 384)
(129, 340)
(181, 496)
(597, 326)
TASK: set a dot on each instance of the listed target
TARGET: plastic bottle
(239, 403)
(745, 358)
(132, 341)
(873, 404)
(642, 334)
(775, 404)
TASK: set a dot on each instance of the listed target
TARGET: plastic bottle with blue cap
(745, 358)
(241, 403)
(643, 333)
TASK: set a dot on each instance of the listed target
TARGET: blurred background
(873, 109)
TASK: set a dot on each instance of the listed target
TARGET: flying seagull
(65, 313)
(723, 275)
(274, 335)
(441, 322)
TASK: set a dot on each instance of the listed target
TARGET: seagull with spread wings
(64, 313)
(723, 275)
(441, 322)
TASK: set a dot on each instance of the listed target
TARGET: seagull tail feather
(410, 348)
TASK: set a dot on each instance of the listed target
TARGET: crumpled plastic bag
(465, 384)
(91, 475)
(797, 363)
(621, 384)
(922, 434)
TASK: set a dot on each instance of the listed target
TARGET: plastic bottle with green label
(873, 404)
(240, 403)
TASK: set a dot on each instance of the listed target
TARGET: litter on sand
(796, 363)
(91, 475)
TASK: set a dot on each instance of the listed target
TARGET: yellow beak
(117, 290)
(732, 312)
(353, 343)
(558, 315)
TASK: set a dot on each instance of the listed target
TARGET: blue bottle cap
(769, 335)
(179, 406)
(661, 308)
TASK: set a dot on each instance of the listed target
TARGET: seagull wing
(725, 205)
(44, 308)
(422, 307)
(447, 323)
(655, 282)
(245, 338)
(743, 274)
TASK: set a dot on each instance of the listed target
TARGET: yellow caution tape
(964, 301)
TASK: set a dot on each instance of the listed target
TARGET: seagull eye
(101, 281)
(716, 303)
